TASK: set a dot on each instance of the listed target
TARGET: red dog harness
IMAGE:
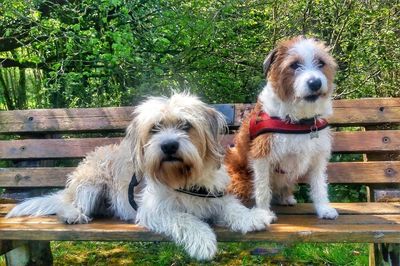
(262, 123)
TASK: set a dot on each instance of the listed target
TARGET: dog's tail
(38, 206)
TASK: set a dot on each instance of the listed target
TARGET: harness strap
(262, 123)
(131, 192)
(201, 192)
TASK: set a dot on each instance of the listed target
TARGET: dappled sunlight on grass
(232, 254)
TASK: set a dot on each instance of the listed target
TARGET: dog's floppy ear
(217, 123)
(268, 61)
(217, 126)
(133, 140)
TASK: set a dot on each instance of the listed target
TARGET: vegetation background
(70, 53)
(92, 53)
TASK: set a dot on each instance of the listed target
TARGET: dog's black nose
(314, 84)
(170, 147)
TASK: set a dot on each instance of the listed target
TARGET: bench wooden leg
(32, 253)
(387, 254)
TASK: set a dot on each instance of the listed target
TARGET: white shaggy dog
(285, 137)
(174, 145)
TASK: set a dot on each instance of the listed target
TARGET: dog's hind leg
(81, 204)
(121, 206)
(283, 192)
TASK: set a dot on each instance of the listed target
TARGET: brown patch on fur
(169, 171)
(329, 71)
(281, 75)
(260, 146)
(199, 142)
(237, 158)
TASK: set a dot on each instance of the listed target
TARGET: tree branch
(7, 62)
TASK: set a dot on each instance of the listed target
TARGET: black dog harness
(131, 192)
(201, 192)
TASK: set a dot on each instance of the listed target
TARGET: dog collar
(201, 192)
(131, 192)
(261, 123)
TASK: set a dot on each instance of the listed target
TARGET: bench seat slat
(386, 172)
(347, 228)
(283, 219)
(346, 112)
(356, 142)
(354, 208)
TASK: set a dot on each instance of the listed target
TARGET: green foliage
(102, 53)
(109, 53)
(148, 253)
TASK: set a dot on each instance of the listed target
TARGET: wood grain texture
(73, 119)
(366, 141)
(308, 228)
(346, 112)
(387, 172)
(51, 148)
(371, 111)
(355, 142)
(354, 208)
(34, 177)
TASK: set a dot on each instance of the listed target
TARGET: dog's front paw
(255, 220)
(203, 248)
(326, 212)
(73, 217)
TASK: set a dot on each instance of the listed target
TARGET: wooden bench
(38, 148)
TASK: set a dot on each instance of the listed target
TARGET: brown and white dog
(266, 164)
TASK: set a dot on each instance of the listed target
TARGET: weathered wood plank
(387, 172)
(51, 148)
(357, 141)
(34, 177)
(283, 219)
(366, 103)
(346, 112)
(73, 119)
(364, 173)
(354, 228)
(352, 112)
(354, 208)
(366, 141)
(387, 195)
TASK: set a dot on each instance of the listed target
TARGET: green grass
(148, 253)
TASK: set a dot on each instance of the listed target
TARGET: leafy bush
(91, 53)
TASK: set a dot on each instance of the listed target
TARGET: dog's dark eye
(155, 129)
(321, 63)
(295, 65)
(186, 126)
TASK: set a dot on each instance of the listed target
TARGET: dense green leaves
(58, 53)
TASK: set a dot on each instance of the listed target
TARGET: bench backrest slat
(343, 172)
(48, 137)
(346, 112)
(345, 142)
